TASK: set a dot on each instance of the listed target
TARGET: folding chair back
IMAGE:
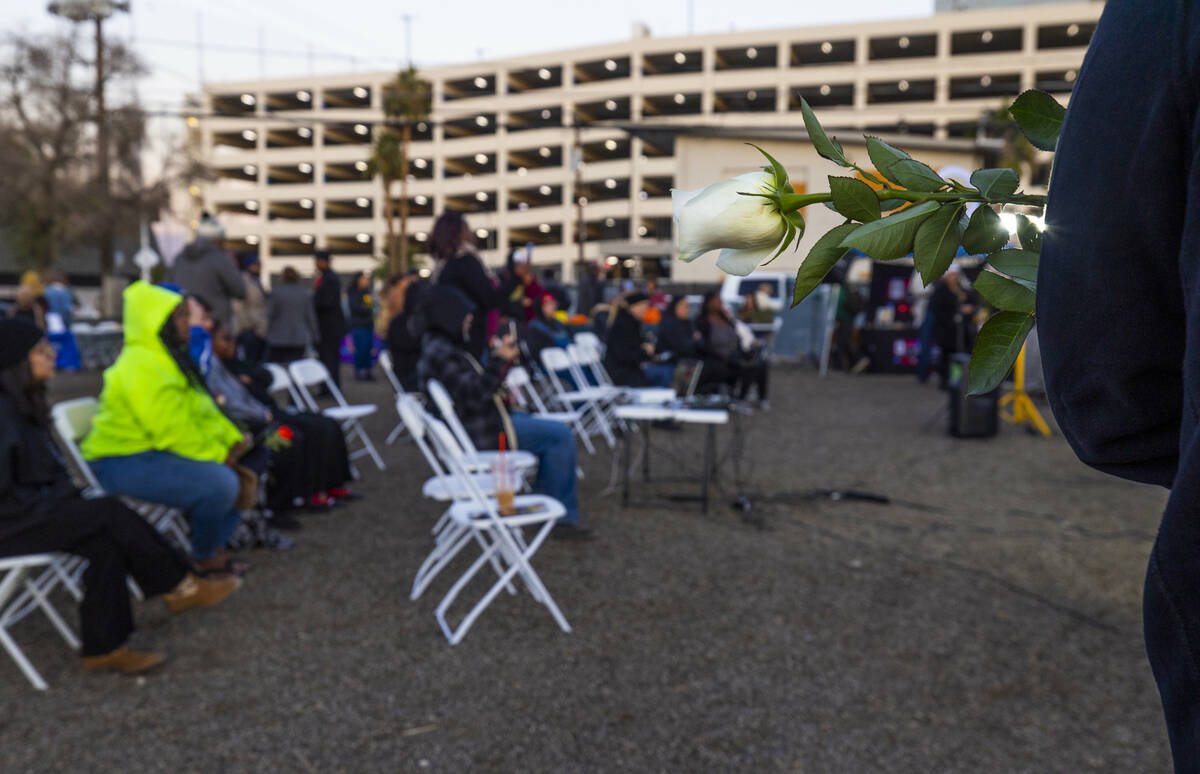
(310, 372)
(385, 364)
(13, 570)
(280, 381)
(445, 406)
(413, 415)
(72, 421)
(591, 340)
(587, 359)
(556, 361)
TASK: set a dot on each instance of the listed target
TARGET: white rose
(746, 229)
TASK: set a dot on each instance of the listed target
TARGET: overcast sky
(349, 35)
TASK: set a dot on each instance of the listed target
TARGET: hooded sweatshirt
(147, 403)
(205, 270)
(444, 358)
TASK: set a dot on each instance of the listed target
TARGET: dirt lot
(985, 618)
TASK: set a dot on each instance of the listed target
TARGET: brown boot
(124, 660)
(193, 591)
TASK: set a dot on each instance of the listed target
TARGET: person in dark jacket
(952, 306)
(546, 330)
(331, 321)
(459, 267)
(625, 352)
(291, 319)
(726, 362)
(677, 337)
(403, 344)
(41, 510)
(362, 324)
(1117, 304)
(207, 270)
(447, 323)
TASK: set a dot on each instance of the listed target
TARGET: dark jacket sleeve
(1110, 310)
(472, 279)
(229, 275)
(675, 339)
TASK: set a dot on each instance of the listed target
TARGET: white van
(734, 289)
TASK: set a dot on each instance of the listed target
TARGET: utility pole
(96, 11)
(408, 17)
(577, 168)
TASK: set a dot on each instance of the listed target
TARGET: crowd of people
(186, 419)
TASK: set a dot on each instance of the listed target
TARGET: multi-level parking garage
(290, 156)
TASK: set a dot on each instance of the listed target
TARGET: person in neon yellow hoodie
(158, 436)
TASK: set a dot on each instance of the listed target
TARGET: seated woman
(315, 468)
(158, 436)
(405, 294)
(446, 324)
(545, 330)
(677, 338)
(41, 510)
(726, 362)
(626, 355)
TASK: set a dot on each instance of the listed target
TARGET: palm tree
(406, 101)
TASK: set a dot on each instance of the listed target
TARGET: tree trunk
(407, 139)
(391, 226)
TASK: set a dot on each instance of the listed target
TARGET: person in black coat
(1118, 303)
(403, 342)
(624, 349)
(362, 324)
(952, 306)
(41, 510)
(459, 267)
(331, 321)
(677, 338)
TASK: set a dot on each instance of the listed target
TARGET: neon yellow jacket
(147, 403)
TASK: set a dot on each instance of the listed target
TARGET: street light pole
(97, 11)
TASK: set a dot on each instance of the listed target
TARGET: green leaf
(996, 349)
(1031, 238)
(985, 233)
(825, 146)
(995, 183)
(887, 205)
(915, 176)
(780, 174)
(892, 237)
(1004, 293)
(824, 254)
(1040, 117)
(1018, 264)
(936, 241)
(854, 199)
(884, 155)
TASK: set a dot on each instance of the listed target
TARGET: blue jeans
(206, 490)
(554, 446)
(363, 339)
(659, 374)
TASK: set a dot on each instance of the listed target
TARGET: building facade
(519, 143)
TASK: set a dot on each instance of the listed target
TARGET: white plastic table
(710, 418)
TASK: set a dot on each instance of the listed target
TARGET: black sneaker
(571, 532)
(285, 521)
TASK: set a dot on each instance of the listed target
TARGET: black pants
(751, 373)
(284, 355)
(116, 542)
(251, 347)
(329, 352)
(317, 460)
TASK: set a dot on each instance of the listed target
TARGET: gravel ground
(985, 619)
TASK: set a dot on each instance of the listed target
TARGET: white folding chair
(385, 365)
(280, 381)
(589, 360)
(526, 395)
(500, 534)
(472, 457)
(310, 372)
(593, 402)
(589, 339)
(13, 570)
(449, 536)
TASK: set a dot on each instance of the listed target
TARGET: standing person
(250, 315)
(458, 266)
(362, 324)
(952, 307)
(590, 288)
(41, 510)
(658, 299)
(331, 321)
(158, 436)
(60, 314)
(1117, 306)
(205, 269)
(473, 388)
(405, 296)
(291, 319)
